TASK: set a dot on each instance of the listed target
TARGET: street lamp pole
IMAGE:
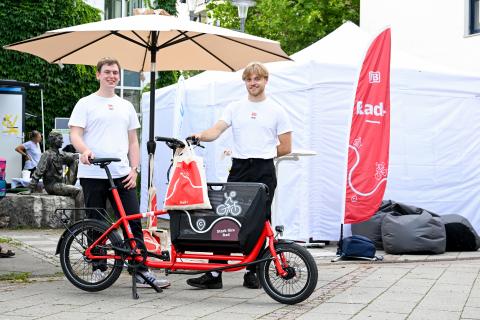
(242, 24)
(243, 6)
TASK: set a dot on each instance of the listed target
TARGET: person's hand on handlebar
(86, 156)
(194, 140)
(196, 136)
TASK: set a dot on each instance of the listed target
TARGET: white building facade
(446, 32)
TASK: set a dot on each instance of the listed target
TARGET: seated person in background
(31, 151)
(50, 167)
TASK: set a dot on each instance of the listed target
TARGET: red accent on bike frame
(211, 257)
(207, 266)
(121, 210)
(271, 247)
(88, 252)
(122, 220)
(173, 264)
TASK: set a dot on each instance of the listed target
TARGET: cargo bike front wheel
(301, 278)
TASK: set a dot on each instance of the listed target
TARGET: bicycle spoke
(80, 240)
(80, 270)
(80, 250)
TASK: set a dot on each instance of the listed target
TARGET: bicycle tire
(271, 281)
(72, 245)
(235, 210)
(222, 210)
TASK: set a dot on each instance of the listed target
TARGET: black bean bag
(460, 234)
(408, 229)
(372, 228)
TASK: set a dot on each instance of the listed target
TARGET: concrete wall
(433, 29)
(36, 210)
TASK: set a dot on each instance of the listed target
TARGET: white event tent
(435, 132)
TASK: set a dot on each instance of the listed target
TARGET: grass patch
(16, 277)
(5, 240)
(10, 241)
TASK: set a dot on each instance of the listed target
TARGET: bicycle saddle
(100, 161)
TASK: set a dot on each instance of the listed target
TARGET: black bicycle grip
(174, 141)
(192, 140)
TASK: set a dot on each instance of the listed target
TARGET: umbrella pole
(153, 60)
(43, 120)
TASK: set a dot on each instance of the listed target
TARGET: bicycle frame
(173, 264)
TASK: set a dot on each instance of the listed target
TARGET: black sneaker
(250, 280)
(207, 281)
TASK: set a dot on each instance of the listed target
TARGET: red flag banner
(369, 141)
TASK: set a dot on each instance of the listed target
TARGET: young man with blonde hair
(261, 131)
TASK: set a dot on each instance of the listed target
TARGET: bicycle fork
(278, 260)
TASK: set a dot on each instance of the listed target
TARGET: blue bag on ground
(358, 247)
(3, 188)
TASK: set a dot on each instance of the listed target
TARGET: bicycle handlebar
(175, 143)
(171, 141)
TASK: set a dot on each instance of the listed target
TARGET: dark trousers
(254, 170)
(97, 191)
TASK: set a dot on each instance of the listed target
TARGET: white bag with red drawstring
(151, 236)
(187, 189)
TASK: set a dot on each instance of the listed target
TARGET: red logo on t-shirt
(253, 115)
(110, 106)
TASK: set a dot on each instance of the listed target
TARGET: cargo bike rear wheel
(301, 278)
(86, 274)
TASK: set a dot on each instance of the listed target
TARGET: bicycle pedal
(165, 255)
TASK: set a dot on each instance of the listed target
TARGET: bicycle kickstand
(134, 287)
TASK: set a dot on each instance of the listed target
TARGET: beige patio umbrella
(152, 43)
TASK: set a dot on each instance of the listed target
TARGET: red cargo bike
(287, 271)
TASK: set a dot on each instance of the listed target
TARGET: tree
(294, 23)
(23, 19)
(168, 5)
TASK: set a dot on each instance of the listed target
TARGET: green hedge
(23, 19)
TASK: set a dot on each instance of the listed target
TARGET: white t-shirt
(34, 152)
(106, 122)
(256, 127)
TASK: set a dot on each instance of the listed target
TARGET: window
(131, 79)
(474, 16)
(134, 96)
(113, 9)
(133, 4)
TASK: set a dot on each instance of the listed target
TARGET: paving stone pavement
(402, 287)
